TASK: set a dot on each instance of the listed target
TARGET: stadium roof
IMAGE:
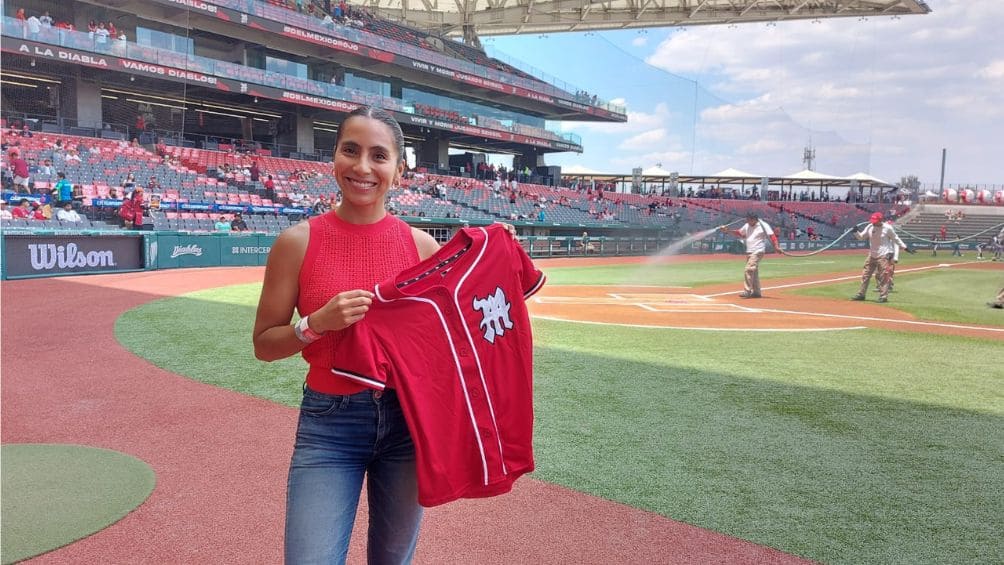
(474, 18)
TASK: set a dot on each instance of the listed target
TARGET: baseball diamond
(211, 481)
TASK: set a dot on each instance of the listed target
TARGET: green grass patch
(207, 336)
(946, 295)
(56, 494)
(802, 444)
(845, 447)
(717, 271)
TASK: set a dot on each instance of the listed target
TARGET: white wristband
(303, 331)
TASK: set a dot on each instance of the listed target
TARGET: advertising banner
(47, 255)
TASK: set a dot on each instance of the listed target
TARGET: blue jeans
(339, 440)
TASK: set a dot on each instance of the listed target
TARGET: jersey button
(473, 392)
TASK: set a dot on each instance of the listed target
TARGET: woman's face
(367, 163)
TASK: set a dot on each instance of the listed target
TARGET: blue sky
(878, 95)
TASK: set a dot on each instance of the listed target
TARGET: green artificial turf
(56, 494)
(844, 447)
(955, 294)
(849, 447)
(227, 360)
(727, 269)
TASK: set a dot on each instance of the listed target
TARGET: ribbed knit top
(342, 256)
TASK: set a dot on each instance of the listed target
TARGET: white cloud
(637, 122)
(644, 140)
(881, 94)
(994, 70)
(640, 41)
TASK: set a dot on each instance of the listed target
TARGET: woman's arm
(426, 244)
(274, 337)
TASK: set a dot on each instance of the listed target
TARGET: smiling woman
(322, 268)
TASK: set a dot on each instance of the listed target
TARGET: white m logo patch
(494, 314)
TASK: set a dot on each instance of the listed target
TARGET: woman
(322, 268)
(131, 211)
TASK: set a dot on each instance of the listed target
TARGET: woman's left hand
(509, 228)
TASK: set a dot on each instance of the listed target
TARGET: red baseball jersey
(452, 336)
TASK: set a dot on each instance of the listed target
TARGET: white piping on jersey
(474, 348)
(460, 373)
(536, 287)
(372, 383)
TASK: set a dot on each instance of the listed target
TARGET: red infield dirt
(221, 457)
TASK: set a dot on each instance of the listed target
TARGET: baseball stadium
(727, 367)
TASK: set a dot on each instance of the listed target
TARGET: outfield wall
(32, 254)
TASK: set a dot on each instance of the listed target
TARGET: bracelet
(304, 333)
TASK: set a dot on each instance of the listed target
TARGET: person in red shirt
(22, 210)
(320, 268)
(19, 170)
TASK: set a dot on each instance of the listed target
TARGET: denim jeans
(340, 439)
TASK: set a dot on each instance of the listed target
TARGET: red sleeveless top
(342, 256)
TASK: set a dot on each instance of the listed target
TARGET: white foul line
(838, 279)
(886, 320)
(699, 329)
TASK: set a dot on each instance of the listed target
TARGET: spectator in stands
(269, 185)
(19, 171)
(222, 225)
(5, 213)
(46, 169)
(34, 27)
(238, 223)
(46, 20)
(23, 210)
(101, 37)
(131, 211)
(121, 44)
(755, 233)
(72, 157)
(322, 205)
(359, 244)
(68, 214)
(128, 183)
(152, 185)
(63, 191)
(41, 211)
(882, 239)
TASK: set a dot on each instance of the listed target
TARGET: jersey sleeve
(531, 278)
(361, 358)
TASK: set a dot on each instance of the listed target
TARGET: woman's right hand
(341, 311)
